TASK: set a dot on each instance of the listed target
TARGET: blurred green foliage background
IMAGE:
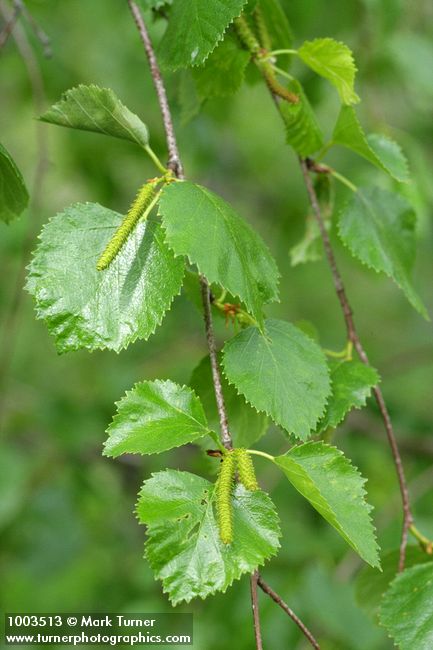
(69, 538)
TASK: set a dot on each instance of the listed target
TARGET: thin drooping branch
(174, 162)
(354, 337)
(175, 165)
(216, 374)
(280, 602)
(255, 607)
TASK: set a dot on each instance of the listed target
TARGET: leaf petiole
(256, 452)
(425, 543)
(344, 180)
(277, 52)
(152, 155)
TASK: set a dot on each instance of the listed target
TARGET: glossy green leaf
(153, 417)
(202, 226)
(376, 148)
(223, 72)
(379, 229)
(194, 29)
(372, 584)
(303, 133)
(407, 608)
(246, 424)
(335, 488)
(86, 308)
(91, 108)
(13, 193)
(352, 382)
(183, 544)
(282, 372)
(333, 61)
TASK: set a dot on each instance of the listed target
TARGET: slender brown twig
(255, 607)
(174, 162)
(280, 602)
(353, 336)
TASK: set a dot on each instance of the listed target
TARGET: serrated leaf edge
(312, 431)
(235, 577)
(363, 493)
(159, 382)
(63, 349)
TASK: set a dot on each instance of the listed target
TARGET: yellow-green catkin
(245, 467)
(224, 489)
(144, 198)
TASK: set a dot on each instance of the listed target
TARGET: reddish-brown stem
(280, 602)
(174, 162)
(255, 607)
(354, 337)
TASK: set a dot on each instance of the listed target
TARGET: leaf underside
(407, 608)
(13, 193)
(352, 382)
(333, 61)
(90, 108)
(381, 151)
(303, 132)
(379, 229)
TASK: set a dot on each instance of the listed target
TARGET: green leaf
(379, 229)
(246, 425)
(189, 101)
(277, 25)
(194, 29)
(223, 71)
(372, 584)
(283, 373)
(155, 416)
(13, 193)
(377, 149)
(202, 226)
(334, 61)
(407, 608)
(91, 108)
(352, 382)
(303, 133)
(86, 308)
(310, 247)
(334, 487)
(183, 545)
